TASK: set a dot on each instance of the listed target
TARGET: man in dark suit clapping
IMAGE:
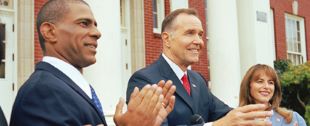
(182, 37)
(57, 94)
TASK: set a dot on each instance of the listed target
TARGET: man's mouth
(92, 46)
(194, 50)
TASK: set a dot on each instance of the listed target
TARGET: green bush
(282, 66)
(295, 81)
(300, 77)
(307, 115)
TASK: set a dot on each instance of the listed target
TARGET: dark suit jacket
(50, 98)
(2, 119)
(201, 101)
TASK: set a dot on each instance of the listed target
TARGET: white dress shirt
(176, 69)
(70, 71)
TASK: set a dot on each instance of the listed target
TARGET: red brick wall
(281, 7)
(37, 49)
(153, 44)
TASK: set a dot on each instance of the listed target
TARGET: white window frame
(160, 4)
(176, 4)
(296, 55)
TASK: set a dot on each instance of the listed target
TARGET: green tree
(307, 115)
(295, 81)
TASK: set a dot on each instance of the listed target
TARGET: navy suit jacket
(2, 118)
(201, 101)
(50, 98)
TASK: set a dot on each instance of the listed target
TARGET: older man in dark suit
(182, 35)
(57, 94)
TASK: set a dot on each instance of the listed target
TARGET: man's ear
(166, 39)
(48, 32)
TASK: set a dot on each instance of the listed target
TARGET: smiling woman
(261, 85)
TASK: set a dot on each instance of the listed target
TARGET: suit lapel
(194, 89)
(168, 74)
(69, 82)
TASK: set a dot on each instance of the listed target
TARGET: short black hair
(52, 11)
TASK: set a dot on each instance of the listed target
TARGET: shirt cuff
(208, 124)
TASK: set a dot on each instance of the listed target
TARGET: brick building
(240, 33)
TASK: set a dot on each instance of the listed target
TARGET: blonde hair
(253, 74)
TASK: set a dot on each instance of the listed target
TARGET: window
(158, 14)
(2, 50)
(295, 39)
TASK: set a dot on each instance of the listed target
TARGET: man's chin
(196, 60)
(90, 62)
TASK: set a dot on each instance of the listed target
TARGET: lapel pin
(194, 85)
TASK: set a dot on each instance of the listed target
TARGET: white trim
(7, 10)
(24, 52)
(10, 80)
(160, 15)
(137, 35)
(126, 44)
(272, 34)
(176, 4)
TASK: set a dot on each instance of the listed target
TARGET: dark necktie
(95, 100)
(186, 84)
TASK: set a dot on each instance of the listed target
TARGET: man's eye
(84, 23)
(200, 35)
(190, 32)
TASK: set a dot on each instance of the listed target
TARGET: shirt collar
(176, 69)
(69, 71)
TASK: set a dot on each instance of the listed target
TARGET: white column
(137, 35)
(223, 48)
(255, 33)
(25, 40)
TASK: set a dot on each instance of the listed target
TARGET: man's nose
(198, 40)
(95, 32)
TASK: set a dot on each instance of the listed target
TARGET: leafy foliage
(282, 65)
(295, 81)
(307, 115)
(299, 75)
